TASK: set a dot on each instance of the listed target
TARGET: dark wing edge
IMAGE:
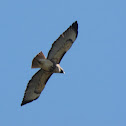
(39, 81)
(25, 102)
(74, 27)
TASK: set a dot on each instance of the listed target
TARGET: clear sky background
(92, 92)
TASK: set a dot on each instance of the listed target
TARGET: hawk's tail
(35, 63)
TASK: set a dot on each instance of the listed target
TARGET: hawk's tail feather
(35, 63)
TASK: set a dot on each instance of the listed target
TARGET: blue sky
(93, 90)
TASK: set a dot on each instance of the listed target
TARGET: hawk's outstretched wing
(35, 86)
(63, 43)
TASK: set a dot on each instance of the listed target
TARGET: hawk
(49, 65)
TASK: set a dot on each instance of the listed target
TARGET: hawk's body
(50, 64)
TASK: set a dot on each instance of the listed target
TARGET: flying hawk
(50, 64)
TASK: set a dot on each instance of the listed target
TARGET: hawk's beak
(62, 71)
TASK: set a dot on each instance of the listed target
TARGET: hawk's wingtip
(75, 27)
(75, 21)
(23, 103)
(27, 101)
